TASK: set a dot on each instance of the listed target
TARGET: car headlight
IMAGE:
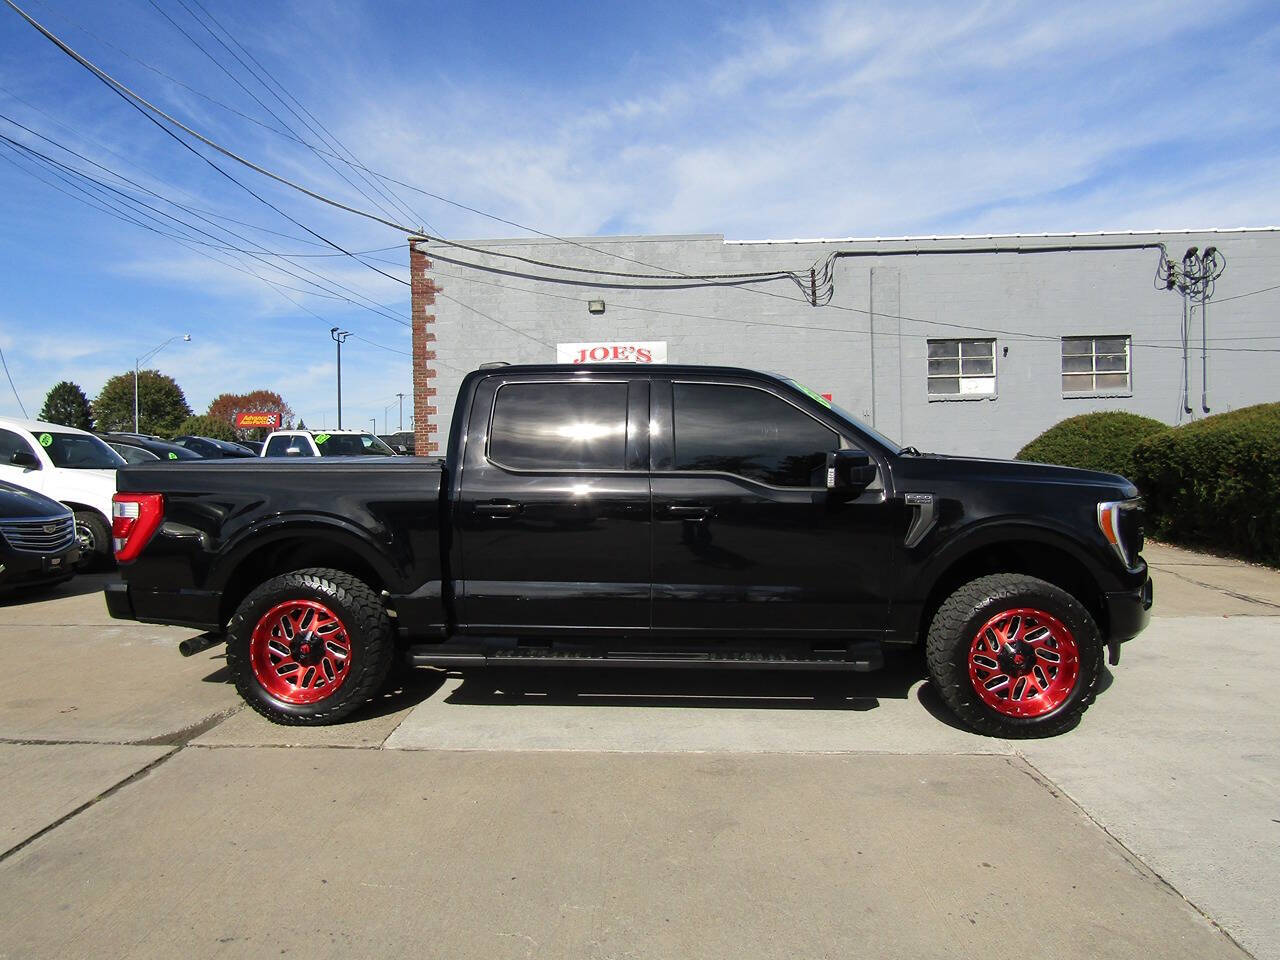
(1121, 524)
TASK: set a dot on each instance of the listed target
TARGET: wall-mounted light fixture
(595, 306)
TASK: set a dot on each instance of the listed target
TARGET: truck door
(747, 539)
(552, 511)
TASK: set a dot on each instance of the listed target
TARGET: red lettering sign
(269, 421)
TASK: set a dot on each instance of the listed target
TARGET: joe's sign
(613, 351)
(269, 421)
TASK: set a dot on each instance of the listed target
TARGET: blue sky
(752, 120)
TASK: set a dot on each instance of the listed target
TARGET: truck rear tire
(1014, 656)
(310, 646)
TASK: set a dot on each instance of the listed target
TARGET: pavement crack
(1134, 859)
(1228, 593)
(111, 790)
(180, 738)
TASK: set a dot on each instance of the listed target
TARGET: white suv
(71, 466)
(325, 443)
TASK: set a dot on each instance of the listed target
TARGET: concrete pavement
(642, 814)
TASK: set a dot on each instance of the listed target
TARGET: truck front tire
(310, 646)
(1014, 656)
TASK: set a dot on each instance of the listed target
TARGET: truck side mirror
(850, 470)
(293, 451)
(402, 450)
(25, 459)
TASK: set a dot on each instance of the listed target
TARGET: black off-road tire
(94, 534)
(361, 611)
(962, 615)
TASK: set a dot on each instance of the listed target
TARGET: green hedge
(1216, 482)
(1093, 441)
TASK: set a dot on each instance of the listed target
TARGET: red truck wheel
(310, 646)
(1014, 656)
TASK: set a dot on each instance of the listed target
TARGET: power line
(5, 363)
(322, 282)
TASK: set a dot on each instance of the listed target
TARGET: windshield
(351, 445)
(845, 415)
(78, 451)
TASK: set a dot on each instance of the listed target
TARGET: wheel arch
(295, 545)
(1033, 551)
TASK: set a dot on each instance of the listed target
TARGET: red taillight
(134, 518)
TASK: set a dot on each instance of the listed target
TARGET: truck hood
(930, 465)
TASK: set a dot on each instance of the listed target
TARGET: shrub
(1093, 441)
(1216, 481)
(206, 426)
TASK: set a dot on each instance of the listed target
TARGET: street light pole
(137, 363)
(401, 396)
(339, 337)
(373, 425)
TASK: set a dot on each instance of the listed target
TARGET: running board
(861, 657)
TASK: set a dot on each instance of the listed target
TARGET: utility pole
(401, 396)
(339, 337)
(373, 425)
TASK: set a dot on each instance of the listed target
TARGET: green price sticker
(814, 395)
(46, 439)
(321, 438)
(172, 455)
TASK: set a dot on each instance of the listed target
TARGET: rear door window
(560, 426)
(750, 433)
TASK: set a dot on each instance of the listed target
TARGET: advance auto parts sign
(613, 351)
(269, 421)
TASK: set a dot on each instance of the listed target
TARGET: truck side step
(861, 657)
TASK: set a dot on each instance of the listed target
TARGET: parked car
(73, 467)
(325, 443)
(211, 449)
(659, 515)
(402, 441)
(38, 545)
(253, 446)
(139, 448)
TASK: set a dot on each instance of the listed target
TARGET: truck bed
(225, 518)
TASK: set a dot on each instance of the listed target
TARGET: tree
(66, 404)
(302, 424)
(162, 406)
(205, 426)
(225, 406)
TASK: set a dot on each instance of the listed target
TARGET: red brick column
(422, 295)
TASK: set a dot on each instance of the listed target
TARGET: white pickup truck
(324, 443)
(71, 466)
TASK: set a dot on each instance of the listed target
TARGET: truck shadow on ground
(703, 689)
(78, 586)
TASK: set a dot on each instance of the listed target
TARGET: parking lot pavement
(42, 783)
(598, 788)
(241, 852)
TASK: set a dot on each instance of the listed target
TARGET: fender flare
(332, 531)
(1004, 530)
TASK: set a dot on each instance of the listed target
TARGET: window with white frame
(1096, 365)
(962, 369)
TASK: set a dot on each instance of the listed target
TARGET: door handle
(498, 508)
(690, 513)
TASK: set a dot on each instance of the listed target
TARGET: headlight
(1121, 524)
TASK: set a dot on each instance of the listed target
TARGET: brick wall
(423, 295)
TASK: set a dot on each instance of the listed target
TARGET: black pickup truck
(642, 515)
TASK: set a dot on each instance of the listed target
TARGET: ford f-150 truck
(642, 515)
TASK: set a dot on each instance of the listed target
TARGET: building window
(1096, 365)
(962, 369)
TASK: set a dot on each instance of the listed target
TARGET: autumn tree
(66, 404)
(206, 426)
(225, 406)
(162, 406)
